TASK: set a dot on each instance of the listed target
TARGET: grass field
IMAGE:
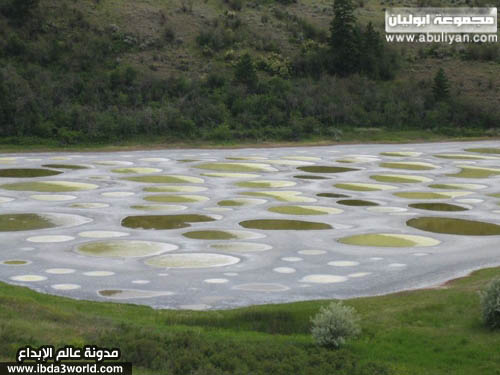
(430, 331)
(354, 135)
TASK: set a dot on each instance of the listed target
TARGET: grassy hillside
(95, 71)
(424, 332)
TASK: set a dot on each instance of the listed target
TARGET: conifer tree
(344, 39)
(245, 71)
(441, 86)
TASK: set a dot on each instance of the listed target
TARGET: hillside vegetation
(103, 71)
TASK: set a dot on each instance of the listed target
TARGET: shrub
(334, 325)
(490, 303)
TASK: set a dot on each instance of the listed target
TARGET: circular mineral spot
(301, 157)
(131, 293)
(171, 198)
(161, 222)
(241, 247)
(356, 202)
(158, 207)
(236, 202)
(271, 224)
(343, 263)
(154, 160)
(326, 169)
(310, 177)
(357, 160)
(237, 167)
(174, 189)
(421, 195)
(437, 207)
(305, 210)
(364, 187)
(311, 252)
(221, 235)
(261, 287)
(141, 282)
(50, 239)
(417, 166)
(332, 195)
(65, 286)
(284, 270)
(102, 234)
(215, 281)
(118, 194)
(265, 183)
(114, 162)
(230, 175)
(447, 225)
(53, 197)
(386, 209)
(389, 240)
(15, 262)
(470, 200)
(27, 172)
(400, 178)
(464, 156)
(458, 186)
(284, 196)
(484, 150)
(98, 273)
(49, 186)
(31, 221)
(359, 274)
(28, 278)
(292, 259)
(89, 205)
(396, 265)
(124, 248)
(6, 199)
(323, 279)
(475, 172)
(245, 158)
(136, 170)
(65, 166)
(60, 271)
(166, 179)
(191, 260)
(401, 153)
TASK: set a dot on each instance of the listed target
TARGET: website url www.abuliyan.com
(449, 38)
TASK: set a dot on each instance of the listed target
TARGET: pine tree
(441, 86)
(245, 71)
(372, 52)
(344, 39)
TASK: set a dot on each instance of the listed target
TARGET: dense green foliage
(76, 89)
(431, 331)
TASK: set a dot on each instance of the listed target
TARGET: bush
(490, 303)
(334, 325)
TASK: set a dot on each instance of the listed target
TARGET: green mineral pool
(326, 169)
(162, 222)
(271, 224)
(446, 225)
(388, 240)
(437, 207)
(27, 172)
